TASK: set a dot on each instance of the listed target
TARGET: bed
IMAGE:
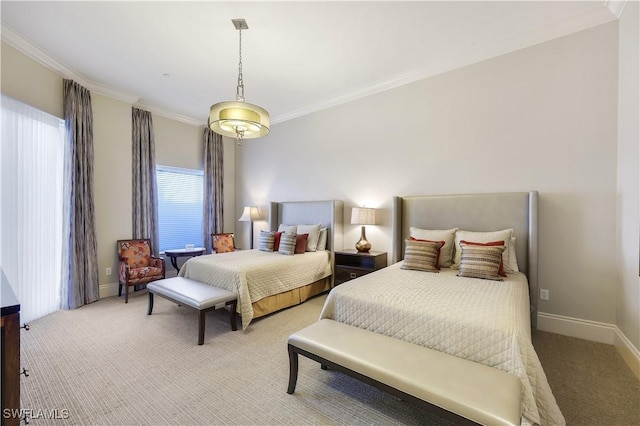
(482, 320)
(266, 282)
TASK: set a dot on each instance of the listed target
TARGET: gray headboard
(476, 212)
(327, 213)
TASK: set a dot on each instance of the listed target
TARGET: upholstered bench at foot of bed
(473, 392)
(200, 296)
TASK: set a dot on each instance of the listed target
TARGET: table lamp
(363, 216)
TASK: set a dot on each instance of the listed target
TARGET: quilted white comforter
(483, 321)
(255, 274)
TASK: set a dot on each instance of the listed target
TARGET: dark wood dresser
(10, 354)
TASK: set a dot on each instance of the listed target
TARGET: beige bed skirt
(289, 298)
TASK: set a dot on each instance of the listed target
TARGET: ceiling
(177, 58)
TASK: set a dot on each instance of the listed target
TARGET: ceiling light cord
(240, 88)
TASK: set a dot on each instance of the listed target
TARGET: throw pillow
(421, 255)
(480, 261)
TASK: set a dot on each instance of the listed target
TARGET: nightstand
(351, 264)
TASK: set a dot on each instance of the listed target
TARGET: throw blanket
(479, 320)
(255, 274)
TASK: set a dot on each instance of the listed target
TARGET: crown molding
(583, 22)
(616, 6)
(170, 114)
(12, 38)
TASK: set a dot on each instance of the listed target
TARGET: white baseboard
(111, 289)
(594, 331)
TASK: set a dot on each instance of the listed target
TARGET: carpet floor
(109, 363)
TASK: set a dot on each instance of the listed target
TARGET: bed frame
(476, 212)
(326, 213)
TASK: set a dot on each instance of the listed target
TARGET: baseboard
(629, 353)
(594, 331)
(108, 290)
(111, 289)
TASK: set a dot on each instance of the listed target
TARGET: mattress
(254, 274)
(480, 320)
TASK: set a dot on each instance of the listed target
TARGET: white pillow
(483, 237)
(289, 229)
(322, 240)
(312, 239)
(512, 266)
(446, 235)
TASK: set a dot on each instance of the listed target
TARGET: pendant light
(239, 119)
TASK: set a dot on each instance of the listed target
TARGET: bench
(199, 296)
(460, 390)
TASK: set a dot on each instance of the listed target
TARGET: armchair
(223, 243)
(136, 265)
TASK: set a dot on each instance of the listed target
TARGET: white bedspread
(483, 321)
(255, 274)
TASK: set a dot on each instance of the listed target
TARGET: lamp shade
(363, 216)
(249, 214)
(235, 117)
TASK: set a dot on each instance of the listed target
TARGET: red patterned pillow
(301, 243)
(489, 244)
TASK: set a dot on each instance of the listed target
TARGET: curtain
(145, 190)
(32, 165)
(80, 260)
(212, 217)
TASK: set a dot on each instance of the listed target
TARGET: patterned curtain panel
(80, 260)
(145, 190)
(213, 184)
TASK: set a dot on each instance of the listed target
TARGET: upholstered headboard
(327, 213)
(476, 212)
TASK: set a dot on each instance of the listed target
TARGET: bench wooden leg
(233, 315)
(150, 308)
(201, 327)
(293, 370)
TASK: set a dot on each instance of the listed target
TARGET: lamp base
(363, 246)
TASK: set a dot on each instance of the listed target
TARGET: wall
(628, 188)
(541, 118)
(177, 144)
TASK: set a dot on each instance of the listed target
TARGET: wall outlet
(544, 294)
(108, 271)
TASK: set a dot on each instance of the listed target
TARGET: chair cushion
(145, 272)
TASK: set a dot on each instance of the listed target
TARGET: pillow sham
(287, 243)
(289, 229)
(421, 255)
(481, 237)
(480, 261)
(313, 231)
(492, 243)
(266, 241)
(322, 240)
(512, 264)
(446, 235)
(301, 243)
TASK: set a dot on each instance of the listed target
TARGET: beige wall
(541, 118)
(627, 242)
(177, 144)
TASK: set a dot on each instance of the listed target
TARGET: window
(179, 207)
(31, 189)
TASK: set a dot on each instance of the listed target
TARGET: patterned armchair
(223, 243)
(136, 265)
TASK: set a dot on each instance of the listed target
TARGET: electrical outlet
(108, 271)
(544, 294)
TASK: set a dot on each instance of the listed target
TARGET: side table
(351, 264)
(174, 254)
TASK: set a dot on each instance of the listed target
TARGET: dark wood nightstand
(350, 264)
